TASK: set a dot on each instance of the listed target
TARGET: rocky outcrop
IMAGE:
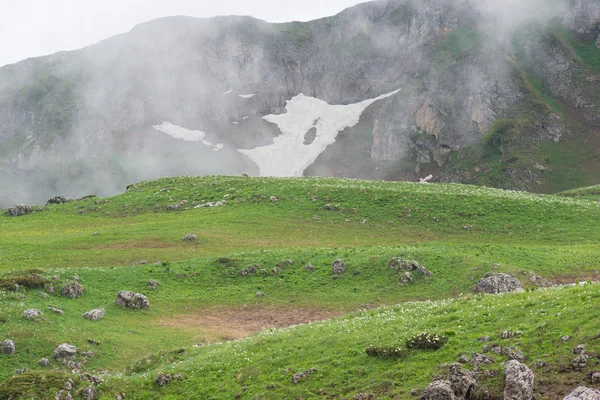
(338, 267)
(461, 380)
(18, 210)
(127, 299)
(72, 290)
(583, 393)
(494, 283)
(438, 390)
(518, 383)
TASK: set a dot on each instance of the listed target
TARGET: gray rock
(65, 351)
(58, 200)
(18, 210)
(540, 364)
(338, 267)
(164, 379)
(438, 390)
(494, 283)
(484, 339)
(461, 380)
(595, 378)
(580, 362)
(463, 359)
(56, 310)
(32, 313)
(309, 267)
(127, 299)
(580, 348)
(152, 284)
(583, 393)
(95, 314)
(510, 334)
(260, 294)
(303, 375)
(43, 362)
(190, 238)
(514, 354)
(565, 339)
(89, 393)
(273, 199)
(8, 347)
(518, 381)
(73, 290)
(480, 359)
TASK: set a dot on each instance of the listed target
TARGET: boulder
(95, 314)
(518, 384)
(338, 267)
(57, 200)
(580, 348)
(65, 350)
(583, 393)
(72, 290)
(8, 347)
(127, 299)
(494, 283)
(438, 390)
(43, 362)
(32, 313)
(18, 210)
(190, 238)
(461, 380)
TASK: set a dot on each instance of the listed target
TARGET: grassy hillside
(459, 233)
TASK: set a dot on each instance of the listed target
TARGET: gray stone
(494, 283)
(540, 364)
(89, 393)
(64, 351)
(190, 238)
(580, 348)
(18, 210)
(595, 378)
(127, 299)
(164, 379)
(583, 393)
(32, 313)
(43, 362)
(518, 381)
(56, 310)
(461, 380)
(73, 290)
(580, 362)
(438, 390)
(58, 200)
(338, 267)
(95, 314)
(152, 284)
(309, 267)
(480, 359)
(8, 347)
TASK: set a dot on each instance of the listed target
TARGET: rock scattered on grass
(540, 364)
(65, 351)
(494, 283)
(18, 210)
(190, 238)
(364, 396)
(518, 381)
(303, 375)
(309, 267)
(595, 378)
(510, 335)
(338, 267)
(56, 310)
(89, 393)
(8, 347)
(580, 348)
(43, 362)
(583, 393)
(152, 284)
(32, 313)
(565, 339)
(73, 290)
(164, 379)
(21, 371)
(461, 380)
(260, 294)
(93, 341)
(580, 362)
(57, 200)
(127, 299)
(438, 390)
(95, 314)
(273, 199)
(399, 265)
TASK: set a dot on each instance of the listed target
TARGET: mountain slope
(487, 96)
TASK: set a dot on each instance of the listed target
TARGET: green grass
(457, 232)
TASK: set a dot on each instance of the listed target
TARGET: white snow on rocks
(288, 155)
(177, 132)
(247, 96)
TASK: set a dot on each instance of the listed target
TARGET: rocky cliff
(470, 91)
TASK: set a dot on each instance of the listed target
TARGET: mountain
(473, 91)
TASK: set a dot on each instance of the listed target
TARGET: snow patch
(177, 132)
(245, 118)
(247, 96)
(228, 92)
(288, 155)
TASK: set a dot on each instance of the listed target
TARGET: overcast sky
(30, 28)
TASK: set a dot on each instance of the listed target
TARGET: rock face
(8, 347)
(518, 381)
(583, 393)
(94, 315)
(72, 290)
(65, 350)
(127, 299)
(18, 210)
(438, 390)
(494, 283)
(245, 71)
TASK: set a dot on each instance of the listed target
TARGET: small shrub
(386, 351)
(426, 341)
